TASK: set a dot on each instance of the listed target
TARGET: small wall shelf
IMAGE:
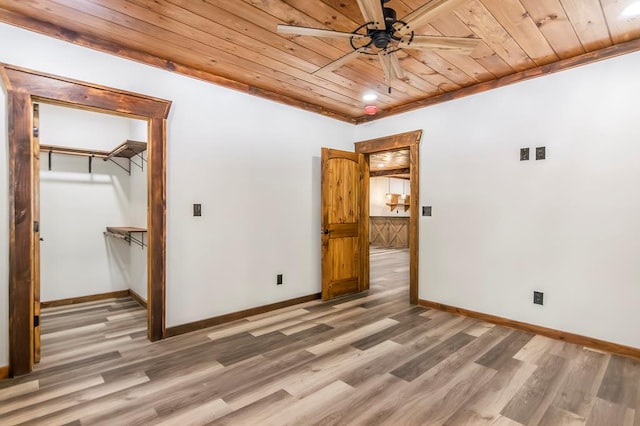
(396, 201)
(125, 233)
(128, 149)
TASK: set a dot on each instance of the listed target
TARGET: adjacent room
(400, 212)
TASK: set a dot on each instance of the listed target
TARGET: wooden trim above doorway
(23, 88)
(409, 140)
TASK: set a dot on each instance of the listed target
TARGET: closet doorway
(91, 206)
(24, 88)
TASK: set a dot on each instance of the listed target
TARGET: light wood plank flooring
(370, 359)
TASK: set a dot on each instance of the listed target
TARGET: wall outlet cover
(279, 279)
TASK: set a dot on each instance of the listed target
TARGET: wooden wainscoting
(389, 231)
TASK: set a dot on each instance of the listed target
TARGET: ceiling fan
(383, 34)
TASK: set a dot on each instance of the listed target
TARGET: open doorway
(23, 89)
(389, 220)
(393, 152)
(91, 204)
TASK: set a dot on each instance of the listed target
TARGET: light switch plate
(541, 153)
(426, 210)
(524, 154)
(538, 298)
(197, 209)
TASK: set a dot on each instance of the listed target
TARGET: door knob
(325, 232)
(41, 239)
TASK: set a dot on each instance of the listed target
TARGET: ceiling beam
(389, 172)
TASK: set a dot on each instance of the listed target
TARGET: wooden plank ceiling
(390, 163)
(234, 43)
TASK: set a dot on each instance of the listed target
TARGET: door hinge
(36, 226)
(35, 132)
(36, 321)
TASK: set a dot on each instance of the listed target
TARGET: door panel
(35, 200)
(343, 239)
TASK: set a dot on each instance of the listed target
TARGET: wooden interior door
(35, 200)
(345, 228)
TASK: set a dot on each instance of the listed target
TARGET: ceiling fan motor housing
(382, 38)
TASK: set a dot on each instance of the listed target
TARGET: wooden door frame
(410, 140)
(24, 87)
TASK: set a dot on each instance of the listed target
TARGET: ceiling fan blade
(316, 32)
(372, 12)
(396, 68)
(461, 45)
(332, 66)
(428, 12)
(390, 66)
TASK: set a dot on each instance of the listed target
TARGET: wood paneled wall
(389, 231)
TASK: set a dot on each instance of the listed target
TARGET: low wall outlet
(279, 279)
(538, 298)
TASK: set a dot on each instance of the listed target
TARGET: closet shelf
(125, 233)
(128, 149)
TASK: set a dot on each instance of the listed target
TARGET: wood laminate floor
(364, 360)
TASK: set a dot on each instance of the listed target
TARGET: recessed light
(380, 165)
(370, 97)
(632, 10)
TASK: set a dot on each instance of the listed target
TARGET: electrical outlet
(538, 298)
(524, 154)
(541, 153)
(197, 209)
(279, 279)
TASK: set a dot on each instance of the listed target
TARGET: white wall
(568, 226)
(252, 163)
(378, 189)
(76, 207)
